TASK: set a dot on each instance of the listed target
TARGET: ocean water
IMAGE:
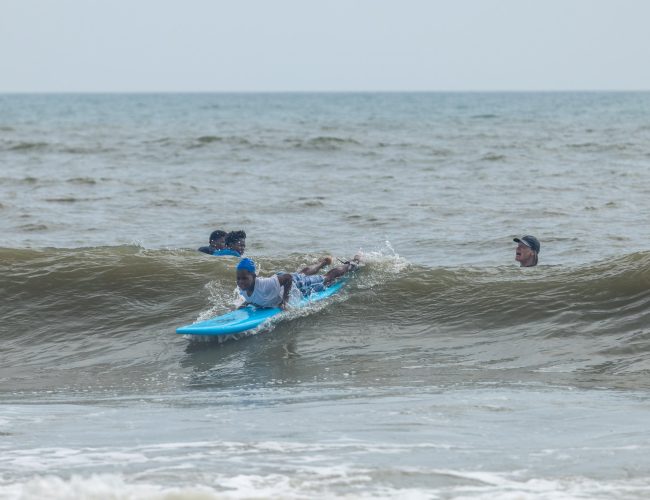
(442, 371)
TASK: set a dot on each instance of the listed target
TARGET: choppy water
(442, 371)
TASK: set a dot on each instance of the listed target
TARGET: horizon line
(440, 91)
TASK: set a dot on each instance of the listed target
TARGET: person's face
(523, 253)
(219, 243)
(239, 246)
(245, 280)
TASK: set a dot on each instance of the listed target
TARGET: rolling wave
(65, 281)
(103, 309)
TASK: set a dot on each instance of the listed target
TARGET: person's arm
(286, 282)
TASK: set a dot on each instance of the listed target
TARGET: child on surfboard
(276, 291)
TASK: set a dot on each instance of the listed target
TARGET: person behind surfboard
(527, 249)
(216, 242)
(235, 244)
(276, 291)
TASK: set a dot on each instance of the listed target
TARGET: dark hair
(217, 234)
(234, 236)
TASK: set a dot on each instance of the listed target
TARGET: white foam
(386, 258)
(340, 481)
(98, 487)
(381, 266)
(223, 301)
(44, 459)
(498, 487)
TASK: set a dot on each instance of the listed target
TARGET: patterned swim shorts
(308, 284)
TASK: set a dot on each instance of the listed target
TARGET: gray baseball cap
(530, 241)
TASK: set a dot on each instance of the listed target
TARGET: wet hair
(217, 234)
(234, 236)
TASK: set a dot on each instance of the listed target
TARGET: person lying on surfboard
(277, 290)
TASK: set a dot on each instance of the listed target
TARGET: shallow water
(441, 371)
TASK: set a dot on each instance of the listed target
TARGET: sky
(331, 45)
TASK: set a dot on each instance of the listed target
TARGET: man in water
(216, 242)
(527, 249)
(222, 243)
(277, 290)
(235, 244)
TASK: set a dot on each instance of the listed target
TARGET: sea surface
(441, 371)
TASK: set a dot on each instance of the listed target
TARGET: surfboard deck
(250, 317)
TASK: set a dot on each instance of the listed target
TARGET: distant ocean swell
(289, 140)
(284, 140)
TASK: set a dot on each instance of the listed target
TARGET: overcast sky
(331, 45)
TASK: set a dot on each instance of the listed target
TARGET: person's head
(236, 240)
(527, 249)
(218, 239)
(246, 274)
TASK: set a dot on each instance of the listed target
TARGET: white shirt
(267, 292)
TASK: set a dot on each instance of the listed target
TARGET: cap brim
(523, 242)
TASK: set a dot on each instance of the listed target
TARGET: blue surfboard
(250, 317)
